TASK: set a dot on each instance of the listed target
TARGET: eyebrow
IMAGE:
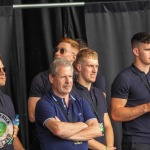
(146, 48)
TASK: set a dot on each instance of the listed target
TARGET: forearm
(65, 129)
(17, 144)
(70, 129)
(95, 145)
(109, 137)
(88, 133)
(121, 113)
(130, 113)
(31, 107)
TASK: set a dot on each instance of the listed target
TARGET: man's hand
(16, 129)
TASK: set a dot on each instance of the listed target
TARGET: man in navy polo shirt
(86, 65)
(130, 96)
(7, 111)
(63, 121)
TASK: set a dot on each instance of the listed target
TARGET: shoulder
(47, 98)
(78, 91)
(79, 100)
(40, 84)
(125, 75)
(41, 75)
(8, 105)
(100, 96)
(98, 92)
(122, 84)
(6, 97)
(44, 104)
(75, 89)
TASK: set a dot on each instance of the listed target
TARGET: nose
(57, 54)
(94, 69)
(68, 79)
(2, 70)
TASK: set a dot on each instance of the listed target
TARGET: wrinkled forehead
(63, 69)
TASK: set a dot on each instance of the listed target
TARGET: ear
(51, 78)
(73, 57)
(136, 51)
(78, 67)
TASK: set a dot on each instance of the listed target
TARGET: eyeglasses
(3, 69)
(61, 50)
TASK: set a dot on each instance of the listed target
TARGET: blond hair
(86, 53)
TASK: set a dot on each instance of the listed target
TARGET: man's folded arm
(92, 131)
(64, 129)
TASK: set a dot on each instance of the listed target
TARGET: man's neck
(64, 96)
(142, 67)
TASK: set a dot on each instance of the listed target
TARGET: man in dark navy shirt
(130, 96)
(100, 80)
(63, 121)
(86, 65)
(7, 115)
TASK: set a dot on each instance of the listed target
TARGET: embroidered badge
(6, 130)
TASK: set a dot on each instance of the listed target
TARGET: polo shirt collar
(59, 98)
(136, 70)
(80, 86)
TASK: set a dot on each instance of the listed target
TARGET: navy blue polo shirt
(96, 100)
(77, 111)
(129, 84)
(7, 108)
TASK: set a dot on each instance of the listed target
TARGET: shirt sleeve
(43, 111)
(36, 88)
(40, 85)
(120, 87)
(9, 107)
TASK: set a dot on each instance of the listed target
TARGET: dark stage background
(28, 37)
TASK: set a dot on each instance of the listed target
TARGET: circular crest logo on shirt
(6, 130)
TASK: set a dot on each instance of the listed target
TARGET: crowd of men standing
(68, 102)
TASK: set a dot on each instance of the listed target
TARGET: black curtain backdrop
(18, 73)
(109, 28)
